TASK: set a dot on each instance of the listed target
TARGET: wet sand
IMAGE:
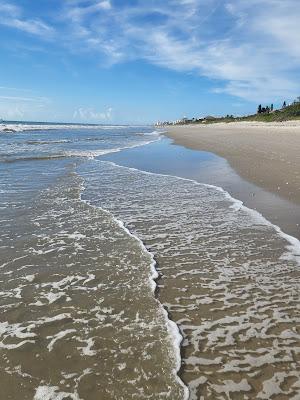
(207, 167)
(266, 154)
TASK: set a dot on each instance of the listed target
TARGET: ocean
(123, 276)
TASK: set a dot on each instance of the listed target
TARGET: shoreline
(264, 155)
(252, 282)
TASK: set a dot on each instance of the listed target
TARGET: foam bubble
(53, 393)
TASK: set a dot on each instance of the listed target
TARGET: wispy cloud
(25, 99)
(89, 114)
(16, 104)
(14, 89)
(78, 13)
(12, 112)
(239, 43)
(248, 49)
(12, 16)
(13, 109)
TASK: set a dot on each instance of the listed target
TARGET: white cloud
(14, 89)
(78, 13)
(89, 114)
(25, 99)
(249, 49)
(18, 106)
(34, 27)
(241, 44)
(14, 112)
(12, 16)
(9, 9)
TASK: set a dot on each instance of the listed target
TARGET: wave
(82, 139)
(91, 154)
(173, 329)
(292, 253)
(293, 247)
(13, 128)
(45, 142)
(199, 229)
(160, 132)
(32, 158)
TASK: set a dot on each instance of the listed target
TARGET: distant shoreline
(266, 154)
(290, 112)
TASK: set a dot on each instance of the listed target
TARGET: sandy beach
(266, 154)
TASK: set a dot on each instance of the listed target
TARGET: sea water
(119, 283)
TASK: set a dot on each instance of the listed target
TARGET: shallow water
(164, 157)
(228, 280)
(78, 311)
(79, 316)
(80, 319)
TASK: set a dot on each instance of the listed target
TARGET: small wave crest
(21, 127)
(32, 158)
(172, 328)
(96, 153)
(45, 142)
(90, 154)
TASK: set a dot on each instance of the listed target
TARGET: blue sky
(138, 61)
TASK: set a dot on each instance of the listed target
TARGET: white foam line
(160, 132)
(172, 327)
(22, 127)
(294, 244)
(97, 153)
(92, 154)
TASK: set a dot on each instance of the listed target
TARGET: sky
(140, 61)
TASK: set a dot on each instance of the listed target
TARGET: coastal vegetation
(264, 114)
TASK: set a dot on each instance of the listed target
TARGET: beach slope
(266, 154)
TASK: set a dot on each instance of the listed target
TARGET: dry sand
(266, 154)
